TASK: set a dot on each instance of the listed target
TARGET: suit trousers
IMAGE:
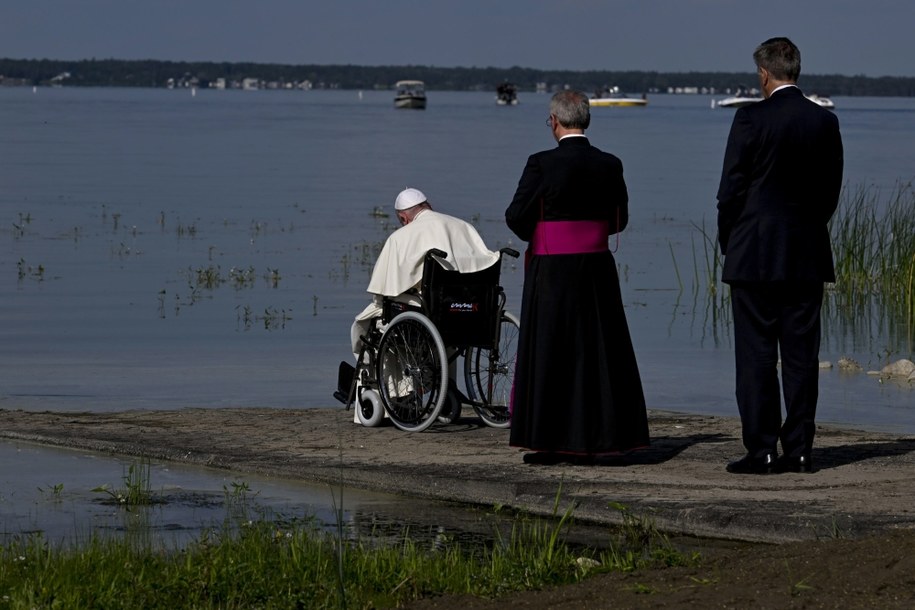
(772, 319)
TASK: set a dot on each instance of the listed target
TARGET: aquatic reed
(707, 281)
(137, 490)
(712, 257)
(873, 237)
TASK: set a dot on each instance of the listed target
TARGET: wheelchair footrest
(345, 375)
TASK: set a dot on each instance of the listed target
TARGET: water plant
(211, 277)
(713, 260)
(273, 318)
(873, 239)
(707, 282)
(873, 236)
(137, 491)
(242, 278)
(238, 496)
(273, 277)
(55, 491)
(25, 270)
(676, 267)
(208, 277)
(186, 230)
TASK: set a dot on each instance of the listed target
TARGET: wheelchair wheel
(369, 410)
(412, 371)
(490, 374)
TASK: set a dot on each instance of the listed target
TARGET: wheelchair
(408, 360)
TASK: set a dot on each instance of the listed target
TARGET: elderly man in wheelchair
(436, 298)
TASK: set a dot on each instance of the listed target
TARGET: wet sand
(863, 485)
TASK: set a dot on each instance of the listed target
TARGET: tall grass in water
(873, 239)
(706, 283)
(874, 248)
(268, 565)
(137, 490)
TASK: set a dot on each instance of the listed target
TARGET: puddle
(48, 490)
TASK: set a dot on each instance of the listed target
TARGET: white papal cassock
(400, 265)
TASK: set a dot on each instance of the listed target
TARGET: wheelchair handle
(437, 252)
(511, 252)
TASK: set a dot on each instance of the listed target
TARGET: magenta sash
(569, 237)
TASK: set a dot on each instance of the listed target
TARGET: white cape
(400, 265)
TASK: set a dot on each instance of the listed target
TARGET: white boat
(742, 97)
(745, 99)
(825, 102)
(738, 101)
(410, 94)
(613, 98)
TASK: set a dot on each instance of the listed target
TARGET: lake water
(162, 250)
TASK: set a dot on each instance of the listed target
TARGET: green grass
(263, 564)
(873, 235)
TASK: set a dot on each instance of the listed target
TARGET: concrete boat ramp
(864, 482)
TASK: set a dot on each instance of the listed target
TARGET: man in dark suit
(780, 185)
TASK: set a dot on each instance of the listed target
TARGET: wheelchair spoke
(489, 375)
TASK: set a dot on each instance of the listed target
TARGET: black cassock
(577, 385)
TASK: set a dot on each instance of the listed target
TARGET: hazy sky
(871, 37)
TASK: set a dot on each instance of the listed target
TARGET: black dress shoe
(749, 464)
(798, 463)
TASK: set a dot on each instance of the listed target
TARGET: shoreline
(862, 486)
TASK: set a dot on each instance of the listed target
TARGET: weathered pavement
(865, 481)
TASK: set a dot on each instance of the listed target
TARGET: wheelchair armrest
(510, 251)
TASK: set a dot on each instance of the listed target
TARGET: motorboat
(821, 100)
(410, 94)
(742, 97)
(613, 98)
(745, 98)
(738, 101)
(507, 95)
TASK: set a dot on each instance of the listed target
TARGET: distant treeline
(154, 73)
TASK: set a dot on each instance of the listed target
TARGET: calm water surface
(160, 250)
(54, 491)
(163, 250)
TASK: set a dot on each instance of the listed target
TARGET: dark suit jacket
(779, 187)
(574, 181)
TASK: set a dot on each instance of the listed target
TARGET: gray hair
(571, 108)
(780, 58)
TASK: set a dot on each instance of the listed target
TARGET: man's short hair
(571, 108)
(780, 58)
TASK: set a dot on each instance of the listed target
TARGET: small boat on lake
(744, 97)
(822, 100)
(410, 94)
(614, 98)
(507, 95)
